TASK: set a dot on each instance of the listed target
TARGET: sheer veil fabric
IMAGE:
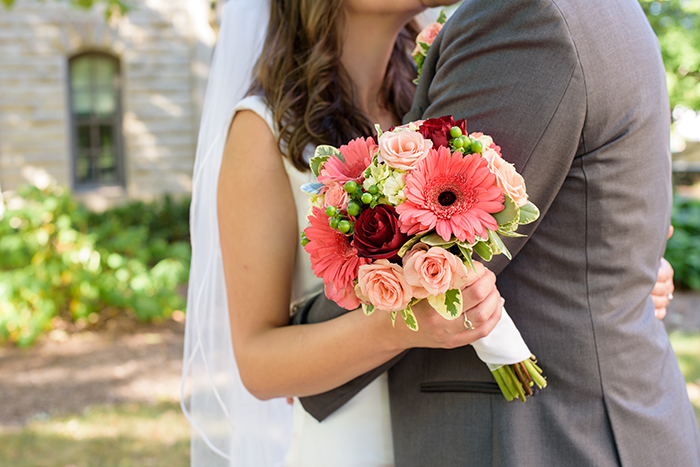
(230, 427)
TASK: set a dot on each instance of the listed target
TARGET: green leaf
(442, 17)
(368, 308)
(505, 233)
(321, 155)
(528, 213)
(448, 305)
(497, 245)
(316, 164)
(379, 130)
(410, 318)
(393, 318)
(467, 255)
(484, 250)
(510, 212)
(408, 245)
(434, 239)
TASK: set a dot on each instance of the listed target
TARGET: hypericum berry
(374, 189)
(477, 147)
(366, 198)
(333, 222)
(304, 241)
(455, 132)
(344, 226)
(353, 208)
(331, 210)
(350, 187)
(458, 143)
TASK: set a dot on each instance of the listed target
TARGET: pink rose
(383, 285)
(336, 196)
(429, 33)
(403, 149)
(433, 271)
(507, 178)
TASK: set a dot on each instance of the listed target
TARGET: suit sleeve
(511, 69)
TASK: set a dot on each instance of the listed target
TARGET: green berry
(304, 241)
(455, 132)
(350, 186)
(458, 143)
(331, 210)
(477, 147)
(353, 208)
(366, 198)
(374, 189)
(333, 222)
(344, 226)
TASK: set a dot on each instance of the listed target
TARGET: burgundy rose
(377, 233)
(438, 130)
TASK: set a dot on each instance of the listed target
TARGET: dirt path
(65, 373)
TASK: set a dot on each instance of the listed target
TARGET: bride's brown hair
(310, 93)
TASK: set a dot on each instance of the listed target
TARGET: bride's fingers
(466, 337)
(477, 290)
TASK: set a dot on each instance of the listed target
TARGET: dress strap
(258, 105)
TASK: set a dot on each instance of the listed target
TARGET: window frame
(94, 122)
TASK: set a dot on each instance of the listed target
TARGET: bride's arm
(259, 236)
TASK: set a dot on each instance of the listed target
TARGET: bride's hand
(481, 302)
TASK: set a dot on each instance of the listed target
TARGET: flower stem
(501, 384)
(535, 373)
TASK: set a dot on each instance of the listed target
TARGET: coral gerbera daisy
(453, 194)
(358, 156)
(333, 259)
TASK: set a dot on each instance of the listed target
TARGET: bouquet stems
(516, 380)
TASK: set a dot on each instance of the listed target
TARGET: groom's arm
(511, 69)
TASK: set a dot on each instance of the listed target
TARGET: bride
(326, 72)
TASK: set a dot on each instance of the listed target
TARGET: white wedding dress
(359, 433)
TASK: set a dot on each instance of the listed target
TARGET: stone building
(109, 108)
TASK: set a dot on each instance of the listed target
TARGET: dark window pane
(106, 136)
(94, 83)
(83, 140)
(84, 168)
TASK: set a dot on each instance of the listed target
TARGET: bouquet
(398, 221)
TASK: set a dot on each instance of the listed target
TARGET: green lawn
(157, 435)
(687, 347)
(106, 436)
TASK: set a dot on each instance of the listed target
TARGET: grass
(687, 348)
(126, 435)
(140, 434)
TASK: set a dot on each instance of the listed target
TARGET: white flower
(392, 188)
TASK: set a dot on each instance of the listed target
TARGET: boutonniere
(425, 39)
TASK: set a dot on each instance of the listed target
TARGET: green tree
(113, 6)
(677, 25)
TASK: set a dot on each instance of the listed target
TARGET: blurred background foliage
(683, 248)
(677, 25)
(112, 7)
(58, 260)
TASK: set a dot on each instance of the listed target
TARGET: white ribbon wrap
(503, 346)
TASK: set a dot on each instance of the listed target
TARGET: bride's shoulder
(251, 133)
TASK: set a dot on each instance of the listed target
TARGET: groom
(574, 93)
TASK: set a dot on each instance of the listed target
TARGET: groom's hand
(481, 303)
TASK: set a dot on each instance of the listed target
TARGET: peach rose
(507, 178)
(429, 33)
(403, 149)
(433, 271)
(336, 196)
(383, 285)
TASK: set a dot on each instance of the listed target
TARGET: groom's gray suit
(574, 93)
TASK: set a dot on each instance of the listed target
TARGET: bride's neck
(368, 42)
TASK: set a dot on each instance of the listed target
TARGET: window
(96, 120)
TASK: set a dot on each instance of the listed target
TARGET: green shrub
(683, 248)
(58, 259)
